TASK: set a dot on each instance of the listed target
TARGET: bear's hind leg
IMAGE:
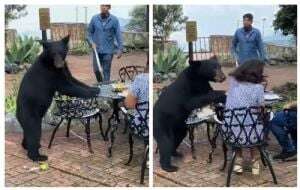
(165, 147)
(32, 136)
(179, 134)
(24, 143)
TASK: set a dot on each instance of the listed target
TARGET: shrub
(82, 48)
(173, 60)
(22, 50)
(11, 99)
(288, 91)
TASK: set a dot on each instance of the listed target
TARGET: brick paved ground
(200, 173)
(70, 162)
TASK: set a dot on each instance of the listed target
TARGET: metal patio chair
(140, 131)
(70, 108)
(243, 128)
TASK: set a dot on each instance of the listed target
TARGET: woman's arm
(130, 101)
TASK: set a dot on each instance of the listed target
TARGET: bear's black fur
(189, 91)
(49, 74)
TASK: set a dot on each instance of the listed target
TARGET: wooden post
(44, 35)
(191, 57)
(191, 35)
(44, 15)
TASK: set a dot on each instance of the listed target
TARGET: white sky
(62, 13)
(223, 19)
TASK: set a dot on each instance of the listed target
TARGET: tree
(167, 19)
(13, 12)
(286, 20)
(138, 21)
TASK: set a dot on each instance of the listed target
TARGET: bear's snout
(220, 76)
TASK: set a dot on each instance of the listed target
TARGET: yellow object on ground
(44, 166)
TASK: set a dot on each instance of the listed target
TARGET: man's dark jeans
(105, 61)
(283, 124)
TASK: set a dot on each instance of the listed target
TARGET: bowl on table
(119, 87)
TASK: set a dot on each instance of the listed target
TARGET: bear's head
(56, 51)
(209, 69)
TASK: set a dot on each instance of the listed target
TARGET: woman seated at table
(283, 124)
(138, 93)
(246, 90)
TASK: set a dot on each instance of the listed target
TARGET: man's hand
(119, 54)
(94, 45)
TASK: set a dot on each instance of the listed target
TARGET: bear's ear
(66, 39)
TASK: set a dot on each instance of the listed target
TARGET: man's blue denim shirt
(104, 33)
(248, 45)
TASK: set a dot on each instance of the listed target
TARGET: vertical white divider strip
(151, 95)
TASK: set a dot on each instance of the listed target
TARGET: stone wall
(77, 31)
(220, 43)
(131, 40)
(279, 54)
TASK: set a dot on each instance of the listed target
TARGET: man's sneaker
(238, 165)
(255, 167)
(285, 155)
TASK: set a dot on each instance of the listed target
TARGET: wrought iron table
(107, 91)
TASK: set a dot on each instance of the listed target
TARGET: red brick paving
(200, 173)
(70, 163)
(276, 76)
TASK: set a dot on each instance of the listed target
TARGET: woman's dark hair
(250, 71)
(248, 16)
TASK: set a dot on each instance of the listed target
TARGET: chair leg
(54, 132)
(191, 137)
(88, 135)
(146, 153)
(112, 140)
(100, 126)
(262, 159)
(267, 159)
(230, 169)
(68, 127)
(126, 125)
(224, 147)
(130, 140)
(108, 128)
(213, 144)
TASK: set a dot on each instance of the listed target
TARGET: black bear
(189, 91)
(49, 74)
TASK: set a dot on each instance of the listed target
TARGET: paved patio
(200, 173)
(70, 163)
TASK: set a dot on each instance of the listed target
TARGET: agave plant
(171, 61)
(22, 50)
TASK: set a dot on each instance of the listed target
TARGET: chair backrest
(243, 127)
(128, 73)
(142, 110)
(73, 107)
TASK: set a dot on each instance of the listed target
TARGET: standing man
(103, 31)
(247, 42)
